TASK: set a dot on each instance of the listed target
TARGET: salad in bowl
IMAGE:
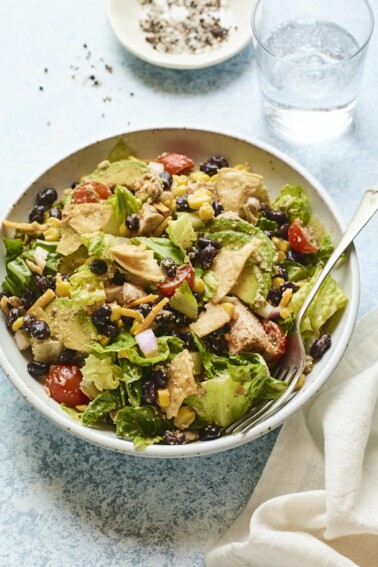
(155, 295)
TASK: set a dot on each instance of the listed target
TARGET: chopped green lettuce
(184, 301)
(74, 413)
(143, 423)
(98, 244)
(162, 248)
(124, 203)
(211, 284)
(87, 288)
(181, 232)
(14, 248)
(123, 341)
(105, 402)
(168, 347)
(293, 201)
(102, 372)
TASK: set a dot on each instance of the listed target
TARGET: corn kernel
(163, 397)
(17, 324)
(277, 282)
(199, 176)
(124, 231)
(198, 286)
(199, 198)
(53, 222)
(104, 341)
(51, 234)
(281, 256)
(116, 312)
(63, 288)
(184, 417)
(242, 167)
(300, 382)
(285, 313)
(286, 296)
(284, 245)
(179, 190)
(206, 212)
(229, 308)
(276, 242)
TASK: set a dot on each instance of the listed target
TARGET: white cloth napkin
(316, 504)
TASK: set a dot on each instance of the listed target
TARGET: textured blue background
(64, 502)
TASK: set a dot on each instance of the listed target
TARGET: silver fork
(291, 366)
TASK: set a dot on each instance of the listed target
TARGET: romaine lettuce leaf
(184, 301)
(14, 248)
(181, 232)
(162, 248)
(143, 422)
(102, 372)
(293, 201)
(87, 288)
(105, 402)
(168, 346)
(124, 203)
(98, 244)
(123, 341)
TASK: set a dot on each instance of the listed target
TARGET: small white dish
(124, 17)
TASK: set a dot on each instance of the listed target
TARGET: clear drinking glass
(310, 56)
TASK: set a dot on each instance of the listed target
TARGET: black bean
(289, 285)
(182, 203)
(167, 180)
(283, 231)
(194, 255)
(119, 279)
(144, 308)
(188, 341)
(47, 196)
(211, 431)
(55, 212)
(274, 296)
(218, 208)
(109, 329)
(132, 222)
(74, 184)
(294, 256)
(226, 328)
(219, 161)
(101, 315)
(274, 215)
(209, 168)
(66, 355)
(169, 267)
(160, 375)
(171, 333)
(164, 317)
(320, 346)
(149, 387)
(282, 273)
(203, 241)
(98, 267)
(217, 343)
(180, 319)
(28, 297)
(173, 438)
(207, 256)
(37, 214)
(13, 315)
(27, 323)
(37, 369)
(40, 330)
(42, 282)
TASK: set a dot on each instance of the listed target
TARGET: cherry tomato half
(90, 192)
(63, 383)
(175, 163)
(276, 337)
(301, 238)
(169, 285)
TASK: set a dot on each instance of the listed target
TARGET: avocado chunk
(71, 326)
(252, 284)
(124, 172)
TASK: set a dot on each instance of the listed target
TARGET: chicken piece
(181, 383)
(132, 292)
(114, 293)
(148, 187)
(229, 264)
(247, 334)
(210, 320)
(138, 261)
(149, 220)
(235, 187)
(80, 219)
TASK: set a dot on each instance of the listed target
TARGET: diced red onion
(147, 343)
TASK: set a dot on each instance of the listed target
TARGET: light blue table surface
(64, 502)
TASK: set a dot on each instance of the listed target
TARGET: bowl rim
(95, 436)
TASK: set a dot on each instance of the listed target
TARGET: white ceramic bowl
(277, 170)
(124, 16)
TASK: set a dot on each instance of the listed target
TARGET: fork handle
(366, 210)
